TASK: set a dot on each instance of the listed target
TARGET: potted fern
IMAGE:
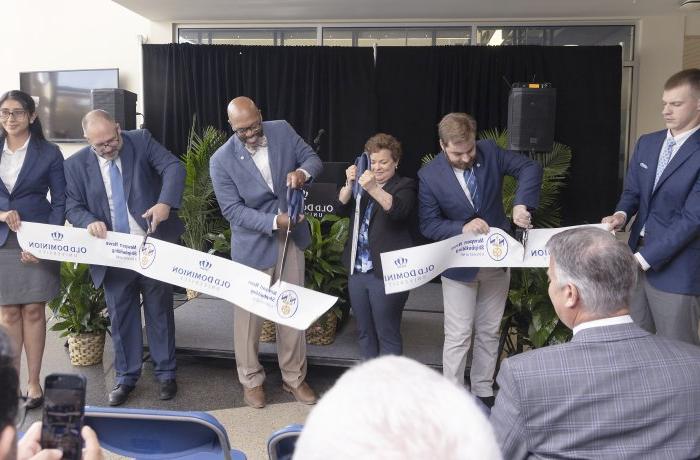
(80, 313)
(199, 211)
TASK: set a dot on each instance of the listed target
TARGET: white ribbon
(246, 287)
(409, 268)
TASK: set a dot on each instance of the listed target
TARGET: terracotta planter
(86, 349)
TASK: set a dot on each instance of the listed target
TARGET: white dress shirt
(11, 164)
(459, 174)
(624, 319)
(134, 227)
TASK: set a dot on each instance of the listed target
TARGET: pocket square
(644, 165)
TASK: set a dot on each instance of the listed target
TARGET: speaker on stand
(531, 114)
(119, 103)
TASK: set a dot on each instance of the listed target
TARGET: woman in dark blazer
(384, 224)
(29, 168)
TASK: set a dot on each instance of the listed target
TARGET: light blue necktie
(472, 186)
(664, 159)
(121, 221)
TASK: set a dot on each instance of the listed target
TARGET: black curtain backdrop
(341, 90)
(416, 86)
(311, 87)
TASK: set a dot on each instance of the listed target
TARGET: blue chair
(160, 434)
(281, 443)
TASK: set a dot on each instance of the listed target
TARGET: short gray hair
(598, 264)
(97, 114)
(396, 408)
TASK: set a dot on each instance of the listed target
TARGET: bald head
(97, 116)
(245, 120)
(102, 132)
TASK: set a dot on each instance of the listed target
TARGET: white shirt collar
(624, 319)
(681, 138)
(24, 147)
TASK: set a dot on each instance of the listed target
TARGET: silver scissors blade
(277, 276)
(149, 230)
(524, 241)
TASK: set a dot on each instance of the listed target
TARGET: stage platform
(204, 327)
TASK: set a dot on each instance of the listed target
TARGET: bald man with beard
(251, 173)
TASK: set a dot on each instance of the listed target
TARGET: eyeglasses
(16, 114)
(253, 129)
(110, 144)
(21, 411)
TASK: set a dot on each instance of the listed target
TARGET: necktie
(121, 221)
(363, 264)
(664, 159)
(472, 186)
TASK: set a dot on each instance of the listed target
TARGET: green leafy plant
(79, 306)
(324, 270)
(199, 211)
(529, 315)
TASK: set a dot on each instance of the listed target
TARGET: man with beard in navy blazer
(662, 192)
(118, 182)
(460, 191)
(251, 173)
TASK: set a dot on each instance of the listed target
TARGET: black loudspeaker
(119, 103)
(531, 118)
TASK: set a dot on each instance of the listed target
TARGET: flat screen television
(64, 98)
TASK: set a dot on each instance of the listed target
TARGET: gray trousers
(665, 313)
(474, 306)
(291, 343)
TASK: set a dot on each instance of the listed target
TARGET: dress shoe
(254, 397)
(119, 394)
(33, 403)
(168, 389)
(488, 401)
(303, 393)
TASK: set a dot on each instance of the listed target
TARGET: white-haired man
(396, 408)
(614, 391)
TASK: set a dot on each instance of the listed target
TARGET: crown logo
(400, 262)
(57, 236)
(204, 264)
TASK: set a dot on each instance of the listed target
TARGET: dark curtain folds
(341, 91)
(417, 86)
(312, 88)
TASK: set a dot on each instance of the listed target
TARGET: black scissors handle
(149, 230)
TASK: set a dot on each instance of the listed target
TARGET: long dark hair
(27, 103)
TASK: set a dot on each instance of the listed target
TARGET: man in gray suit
(614, 391)
(251, 173)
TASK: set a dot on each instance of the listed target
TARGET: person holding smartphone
(30, 166)
(29, 447)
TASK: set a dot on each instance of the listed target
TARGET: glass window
(268, 37)
(297, 37)
(337, 37)
(453, 37)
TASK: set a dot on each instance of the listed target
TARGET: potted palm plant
(80, 313)
(198, 210)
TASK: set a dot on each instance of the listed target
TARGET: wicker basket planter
(86, 349)
(269, 332)
(322, 331)
(192, 294)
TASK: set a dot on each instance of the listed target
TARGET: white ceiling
(359, 10)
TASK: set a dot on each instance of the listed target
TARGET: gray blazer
(248, 203)
(612, 392)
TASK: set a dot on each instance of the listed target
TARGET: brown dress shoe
(303, 393)
(254, 397)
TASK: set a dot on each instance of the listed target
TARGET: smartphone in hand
(64, 403)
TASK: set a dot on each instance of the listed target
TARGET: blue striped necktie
(472, 186)
(121, 221)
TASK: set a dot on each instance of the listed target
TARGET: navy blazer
(41, 172)
(671, 212)
(151, 175)
(247, 202)
(444, 207)
(388, 230)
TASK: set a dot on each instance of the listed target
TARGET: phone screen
(64, 401)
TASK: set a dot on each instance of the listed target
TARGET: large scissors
(295, 207)
(149, 231)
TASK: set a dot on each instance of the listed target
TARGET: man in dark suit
(614, 391)
(662, 189)
(251, 173)
(460, 192)
(120, 181)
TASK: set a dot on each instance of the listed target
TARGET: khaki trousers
(291, 343)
